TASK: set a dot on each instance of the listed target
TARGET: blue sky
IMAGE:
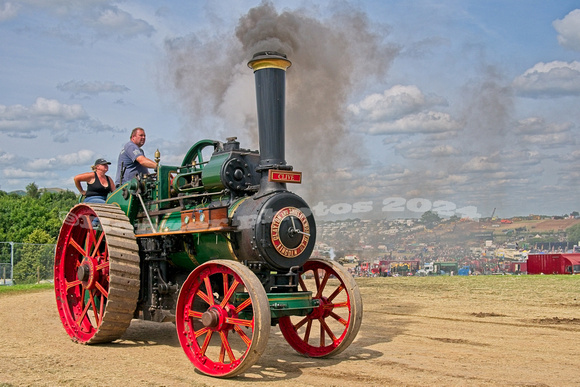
(393, 107)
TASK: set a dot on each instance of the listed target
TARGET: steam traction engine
(217, 245)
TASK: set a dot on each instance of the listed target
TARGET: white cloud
(44, 107)
(426, 151)
(394, 103)
(481, 164)
(18, 173)
(553, 79)
(401, 109)
(424, 122)
(537, 125)
(568, 29)
(8, 10)
(456, 179)
(47, 114)
(549, 140)
(18, 117)
(91, 88)
(83, 156)
(71, 20)
(573, 156)
(112, 21)
(536, 131)
(6, 158)
(521, 158)
(444, 150)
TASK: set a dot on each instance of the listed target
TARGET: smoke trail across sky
(362, 135)
(332, 57)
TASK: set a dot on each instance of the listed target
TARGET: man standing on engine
(132, 160)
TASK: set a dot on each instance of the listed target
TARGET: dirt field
(466, 331)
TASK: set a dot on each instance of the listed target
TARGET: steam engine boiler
(217, 245)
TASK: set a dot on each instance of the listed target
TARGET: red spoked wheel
(96, 273)
(223, 318)
(332, 326)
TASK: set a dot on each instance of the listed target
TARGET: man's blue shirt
(128, 161)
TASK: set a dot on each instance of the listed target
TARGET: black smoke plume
(333, 57)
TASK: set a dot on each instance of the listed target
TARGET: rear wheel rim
(96, 248)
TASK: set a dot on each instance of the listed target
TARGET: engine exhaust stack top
(270, 76)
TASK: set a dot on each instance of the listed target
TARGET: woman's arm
(111, 184)
(83, 177)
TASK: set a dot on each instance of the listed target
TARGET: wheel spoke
(336, 293)
(195, 314)
(302, 322)
(344, 304)
(243, 335)
(209, 290)
(202, 331)
(74, 244)
(95, 309)
(307, 333)
(84, 311)
(204, 297)
(102, 266)
(225, 283)
(229, 292)
(316, 278)
(222, 355)
(205, 345)
(322, 285)
(102, 307)
(237, 321)
(339, 319)
(72, 284)
(226, 346)
(102, 290)
(98, 244)
(244, 305)
(325, 328)
(90, 235)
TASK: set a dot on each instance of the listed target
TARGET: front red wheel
(332, 326)
(223, 318)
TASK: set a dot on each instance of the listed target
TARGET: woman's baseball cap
(102, 162)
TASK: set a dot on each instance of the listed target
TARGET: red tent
(554, 263)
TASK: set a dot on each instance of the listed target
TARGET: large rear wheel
(223, 318)
(96, 273)
(332, 326)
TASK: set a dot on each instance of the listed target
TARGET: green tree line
(35, 219)
(37, 210)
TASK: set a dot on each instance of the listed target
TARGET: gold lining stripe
(267, 63)
(305, 298)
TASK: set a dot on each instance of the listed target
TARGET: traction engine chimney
(270, 76)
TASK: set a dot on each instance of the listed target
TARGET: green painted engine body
(156, 203)
(208, 209)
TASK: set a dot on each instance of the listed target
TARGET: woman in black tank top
(99, 185)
